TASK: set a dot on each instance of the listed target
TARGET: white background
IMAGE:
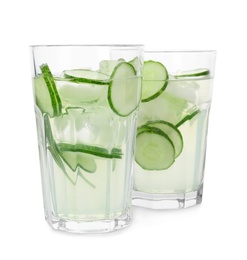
(214, 230)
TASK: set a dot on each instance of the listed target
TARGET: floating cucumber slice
(187, 118)
(124, 89)
(88, 149)
(154, 149)
(173, 133)
(46, 94)
(51, 85)
(192, 73)
(78, 159)
(74, 93)
(88, 76)
(43, 97)
(154, 80)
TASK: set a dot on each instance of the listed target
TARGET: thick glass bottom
(168, 200)
(94, 226)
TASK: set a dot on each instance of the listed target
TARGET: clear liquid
(185, 175)
(98, 196)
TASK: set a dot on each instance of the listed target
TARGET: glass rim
(87, 45)
(179, 51)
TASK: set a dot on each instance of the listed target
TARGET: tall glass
(172, 128)
(86, 100)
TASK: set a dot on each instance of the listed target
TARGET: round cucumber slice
(173, 133)
(154, 149)
(46, 94)
(154, 80)
(78, 159)
(43, 97)
(88, 76)
(88, 149)
(192, 73)
(124, 92)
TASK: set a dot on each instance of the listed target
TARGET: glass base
(98, 226)
(168, 200)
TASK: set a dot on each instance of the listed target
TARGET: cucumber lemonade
(86, 121)
(171, 135)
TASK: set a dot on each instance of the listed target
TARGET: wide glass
(86, 100)
(172, 128)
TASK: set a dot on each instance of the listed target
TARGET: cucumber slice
(124, 89)
(51, 85)
(141, 129)
(88, 149)
(188, 117)
(88, 76)
(173, 133)
(192, 73)
(154, 80)
(77, 159)
(74, 93)
(46, 94)
(154, 149)
(43, 97)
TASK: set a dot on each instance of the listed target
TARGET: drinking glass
(172, 128)
(86, 99)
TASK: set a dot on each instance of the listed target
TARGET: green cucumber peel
(187, 118)
(89, 149)
(192, 73)
(51, 85)
(87, 76)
